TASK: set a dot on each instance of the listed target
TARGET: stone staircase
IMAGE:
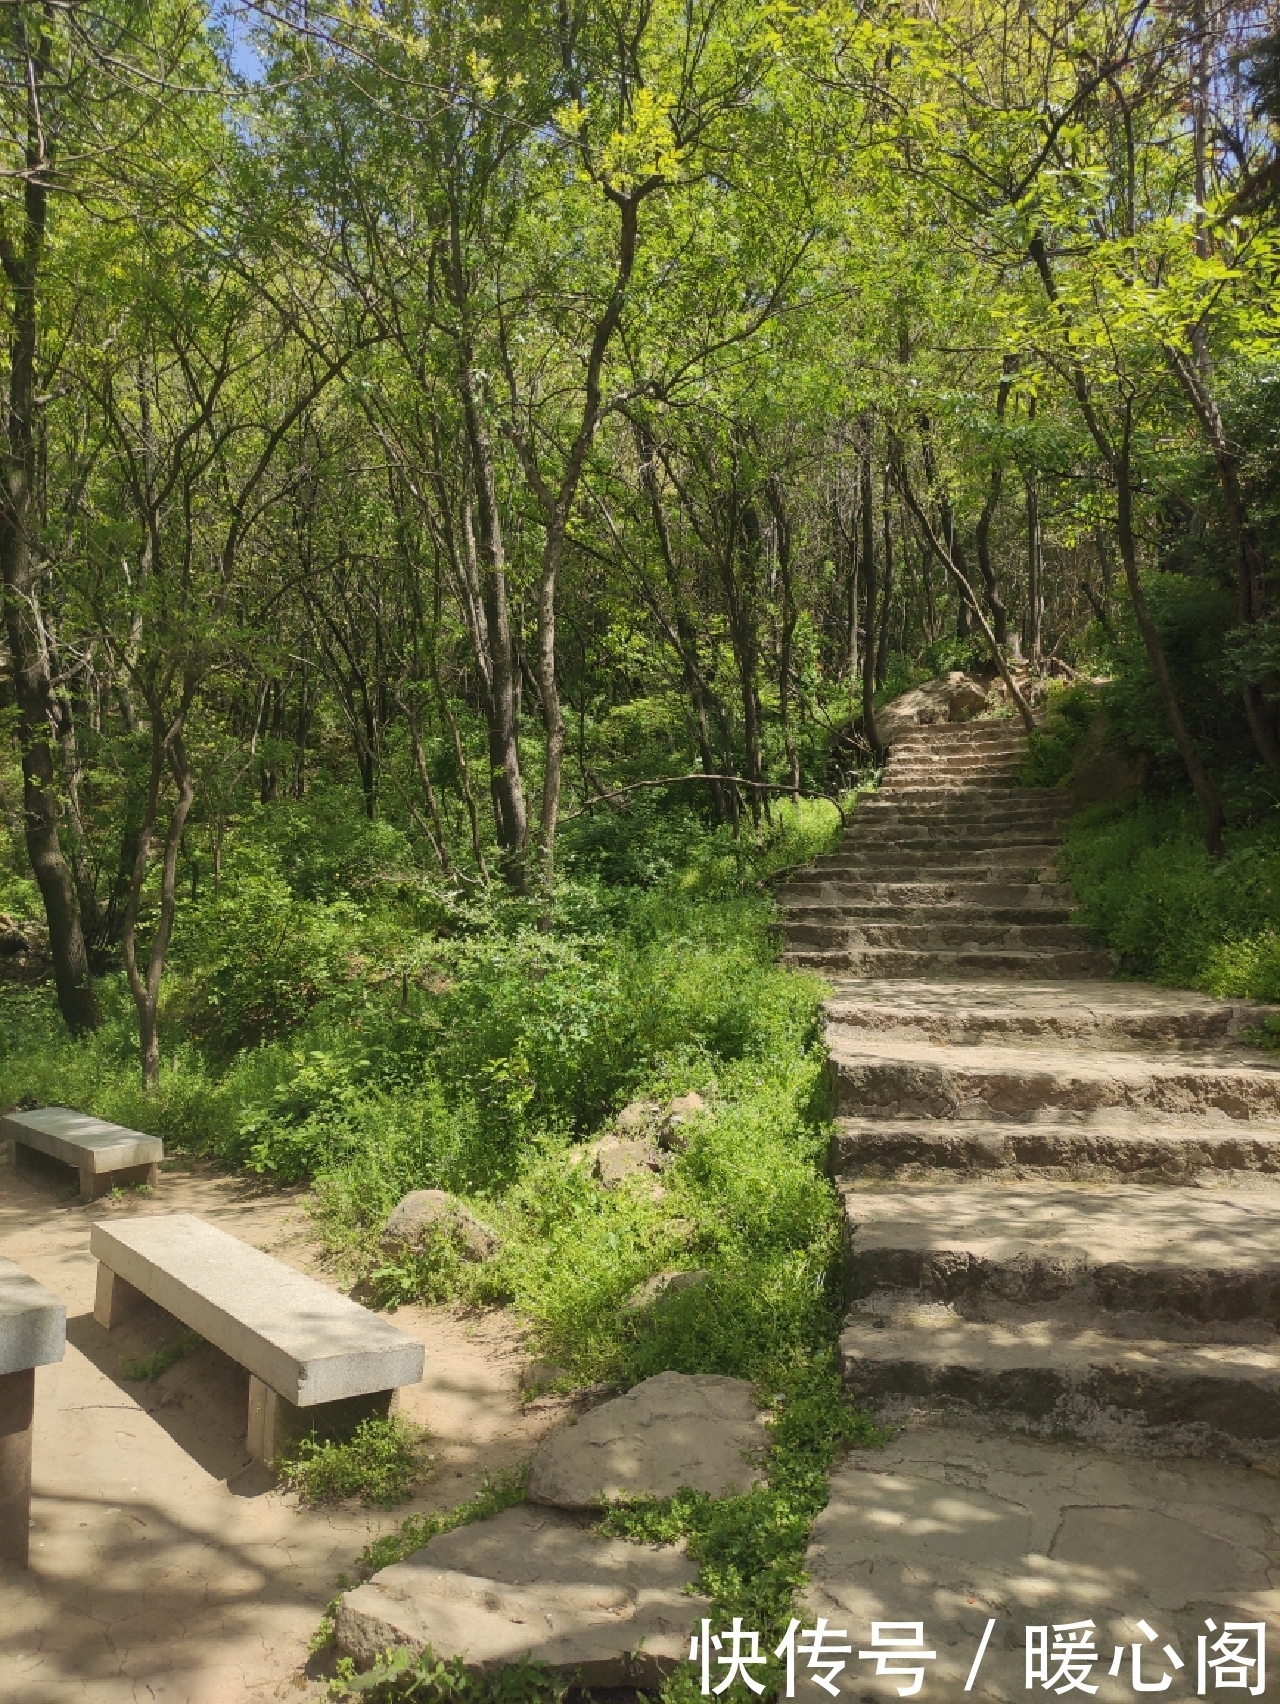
(947, 870)
(1061, 1193)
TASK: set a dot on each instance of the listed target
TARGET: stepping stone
(954, 1529)
(675, 1431)
(532, 1582)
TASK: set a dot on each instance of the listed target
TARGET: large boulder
(532, 1583)
(427, 1214)
(679, 1429)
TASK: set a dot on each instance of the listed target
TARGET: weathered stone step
(1142, 1384)
(959, 843)
(943, 853)
(1088, 1150)
(1013, 806)
(806, 888)
(934, 936)
(889, 1076)
(979, 965)
(1090, 1013)
(854, 911)
(1200, 1254)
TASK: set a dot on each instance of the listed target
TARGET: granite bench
(104, 1154)
(313, 1357)
(33, 1333)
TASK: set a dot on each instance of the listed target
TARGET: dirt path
(164, 1564)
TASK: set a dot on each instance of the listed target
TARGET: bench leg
(17, 1405)
(274, 1421)
(94, 1185)
(113, 1298)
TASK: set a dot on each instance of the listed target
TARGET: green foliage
(1149, 889)
(153, 1365)
(1051, 750)
(380, 1463)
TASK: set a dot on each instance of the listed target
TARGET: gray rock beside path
(425, 1214)
(532, 1583)
(676, 1430)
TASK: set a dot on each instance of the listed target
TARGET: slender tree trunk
(19, 569)
(1035, 570)
(167, 752)
(1203, 787)
(886, 600)
(871, 606)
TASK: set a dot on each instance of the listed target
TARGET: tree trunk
(871, 606)
(167, 752)
(19, 568)
(1202, 786)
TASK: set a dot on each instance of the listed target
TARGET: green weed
(380, 1463)
(154, 1365)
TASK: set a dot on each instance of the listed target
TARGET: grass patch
(380, 1463)
(154, 1365)
(498, 1492)
(401, 1676)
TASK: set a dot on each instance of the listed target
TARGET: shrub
(1051, 750)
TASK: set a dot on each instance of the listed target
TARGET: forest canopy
(475, 422)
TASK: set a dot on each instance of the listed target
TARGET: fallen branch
(702, 775)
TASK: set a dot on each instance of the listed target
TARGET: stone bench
(104, 1154)
(33, 1333)
(313, 1357)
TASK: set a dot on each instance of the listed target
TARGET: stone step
(1111, 1014)
(933, 936)
(891, 1077)
(1014, 806)
(1144, 1384)
(857, 912)
(1132, 1150)
(949, 851)
(955, 840)
(1200, 1254)
(808, 889)
(978, 965)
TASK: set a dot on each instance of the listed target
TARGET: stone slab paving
(955, 1528)
(533, 1582)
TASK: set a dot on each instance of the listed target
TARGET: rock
(967, 701)
(638, 1118)
(673, 1132)
(678, 1429)
(428, 1213)
(619, 1157)
(659, 1287)
(532, 1583)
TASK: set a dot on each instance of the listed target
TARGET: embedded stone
(673, 1132)
(677, 1430)
(620, 1157)
(659, 1287)
(533, 1583)
(638, 1117)
(426, 1214)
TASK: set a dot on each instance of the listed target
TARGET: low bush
(380, 1463)
(1148, 888)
